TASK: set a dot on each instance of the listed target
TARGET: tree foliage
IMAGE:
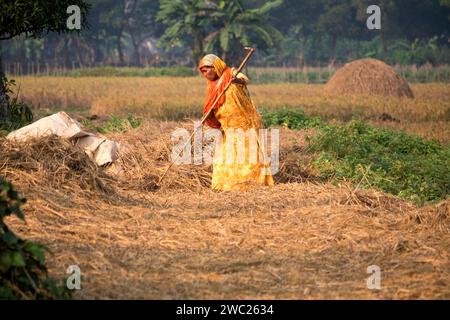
(186, 19)
(236, 26)
(34, 17)
(125, 32)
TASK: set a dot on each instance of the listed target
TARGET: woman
(236, 165)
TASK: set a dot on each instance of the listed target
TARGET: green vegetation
(295, 120)
(31, 18)
(408, 166)
(23, 274)
(177, 71)
(291, 75)
(412, 74)
(115, 124)
(285, 33)
(36, 17)
(20, 113)
(223, 26)
(397, 163)
(321, 75)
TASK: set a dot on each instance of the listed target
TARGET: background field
(171, 98)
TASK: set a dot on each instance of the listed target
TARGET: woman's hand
(237, 80)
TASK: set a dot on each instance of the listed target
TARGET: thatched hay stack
(368, 77)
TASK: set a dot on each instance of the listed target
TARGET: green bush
(395, 162)
(21, 113)
(23, 274)
(292, 119)
(117, 124)
(177, 71)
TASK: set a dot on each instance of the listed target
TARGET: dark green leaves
(36, 17)
(10, 201)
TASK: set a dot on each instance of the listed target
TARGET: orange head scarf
(216, 87)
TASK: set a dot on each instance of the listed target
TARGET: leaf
(9, 238)
(6, 293)
(267, 7)
(224, 39)
(5, 261)
(17, 259)
(36, 250)
(16, 209)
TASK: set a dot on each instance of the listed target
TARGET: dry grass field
(165, 98)
(305, 240)
(302, 239)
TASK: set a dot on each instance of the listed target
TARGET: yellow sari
(231, 169)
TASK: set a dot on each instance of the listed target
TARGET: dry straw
(302, 240)
(368, 77)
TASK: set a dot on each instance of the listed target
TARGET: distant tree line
(286, 33)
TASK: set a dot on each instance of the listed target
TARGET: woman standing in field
(236, 166)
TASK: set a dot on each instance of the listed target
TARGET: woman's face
(209, 73)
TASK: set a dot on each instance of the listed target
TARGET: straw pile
(148, 157)
(368, 77)
(52, 162)
(304, 240)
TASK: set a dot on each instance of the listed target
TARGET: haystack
(368, 77)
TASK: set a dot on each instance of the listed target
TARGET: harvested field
(427, 115)
(299, 240)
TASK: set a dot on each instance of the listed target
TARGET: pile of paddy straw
(51, 162)
(149, 155)
(368, 77)
(56, 163)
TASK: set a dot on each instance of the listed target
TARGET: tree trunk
(5, 112)
(66, 52)
(198, 47)
(384, 43)
(136, 56)
(119, 49)
(99, 57)
(332, 51)
(224, 56)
